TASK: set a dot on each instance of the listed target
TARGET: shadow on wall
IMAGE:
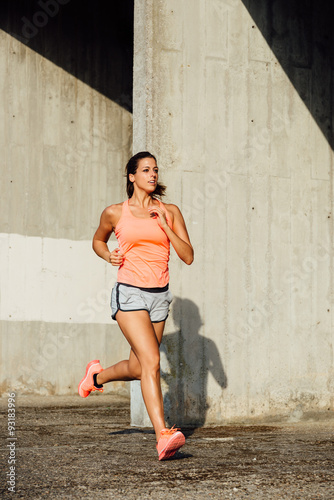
(190, 358)
(80, 37)
(300, 33)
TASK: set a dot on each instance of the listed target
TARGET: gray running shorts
(155, 301)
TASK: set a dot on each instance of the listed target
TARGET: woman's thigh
(138, 330)
(134, 364)
(159, 330)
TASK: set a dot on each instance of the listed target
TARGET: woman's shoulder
(174, 209)
(113, 213)
(114, 207)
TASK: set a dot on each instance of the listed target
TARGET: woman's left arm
(178, 236)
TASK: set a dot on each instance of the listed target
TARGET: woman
(144, 228)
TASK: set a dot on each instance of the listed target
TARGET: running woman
(140, 300)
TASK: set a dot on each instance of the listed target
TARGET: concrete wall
(66, 134)
(240, 119)
(235, 99)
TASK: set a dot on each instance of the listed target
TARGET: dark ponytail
(131, 168)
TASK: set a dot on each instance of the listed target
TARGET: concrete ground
(68, 447)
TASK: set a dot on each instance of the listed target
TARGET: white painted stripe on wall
(53, 280)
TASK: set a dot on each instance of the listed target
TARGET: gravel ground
(68, 447)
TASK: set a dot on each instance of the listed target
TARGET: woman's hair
(131, 168)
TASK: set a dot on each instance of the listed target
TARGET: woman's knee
(151, 364)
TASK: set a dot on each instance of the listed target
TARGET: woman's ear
(131, 178)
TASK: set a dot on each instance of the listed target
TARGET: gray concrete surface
(241, 121)
(68, 447)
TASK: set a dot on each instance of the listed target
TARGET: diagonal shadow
(300, 34)
(82, 37)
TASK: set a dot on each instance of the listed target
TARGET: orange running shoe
(170, 441)
(86, 385)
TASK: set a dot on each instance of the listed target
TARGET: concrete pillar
(229, 111)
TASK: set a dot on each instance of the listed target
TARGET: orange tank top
(145, 247)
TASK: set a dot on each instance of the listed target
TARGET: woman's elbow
(190, 259)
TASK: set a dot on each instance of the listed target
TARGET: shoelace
(168, 432)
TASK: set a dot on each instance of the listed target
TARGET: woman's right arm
(102, 235)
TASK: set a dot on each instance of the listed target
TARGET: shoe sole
(89, 366)
(172, 446)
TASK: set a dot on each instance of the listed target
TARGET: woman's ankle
(97, 383)
(158, 432)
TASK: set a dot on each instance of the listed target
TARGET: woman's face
(146, 176)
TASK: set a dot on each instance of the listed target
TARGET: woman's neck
(141, 199)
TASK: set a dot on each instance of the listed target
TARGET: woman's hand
(116, 257)
(160, 216)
